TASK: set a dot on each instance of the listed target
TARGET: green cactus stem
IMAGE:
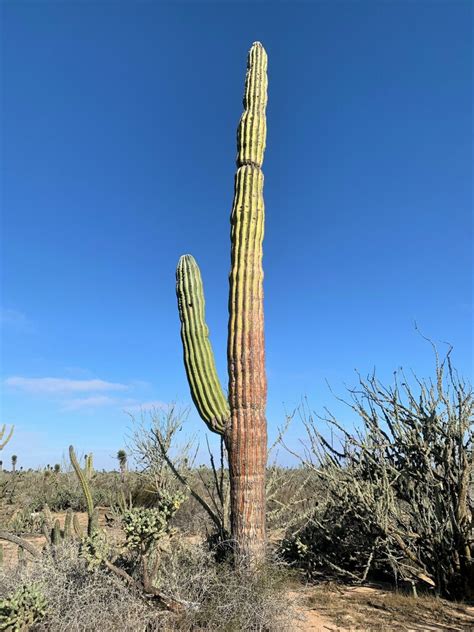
(206, 390)
(85, 489)
(56, 536)
(89, 469)
(47, 518)
(3, 429)
(46, 533)
(68, 524)
(77, 527)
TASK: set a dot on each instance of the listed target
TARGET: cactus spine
(241, 420)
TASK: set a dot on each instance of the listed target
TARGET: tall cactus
(240, 419)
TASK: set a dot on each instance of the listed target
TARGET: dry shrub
(79, 599)
(222, 598)
(214, 596)
(395, 496)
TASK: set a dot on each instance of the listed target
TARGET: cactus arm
(246, 437)
(8, 437)
(77, 527)
(85, 488)
(199, 362)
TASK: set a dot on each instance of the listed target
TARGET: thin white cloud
(88, 402)
(52, 385)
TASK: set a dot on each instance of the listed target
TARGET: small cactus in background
(89, 465)
(1, 466)
(26, 607)
(77, 527)
(240, 419)
(14, 462)
(84, 481)
(4, 441)
(57, 468)
(56, 536)
(122, 460)
(68, 524)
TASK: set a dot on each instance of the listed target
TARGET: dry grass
(80, 600)
(217, 597)
(378, 610)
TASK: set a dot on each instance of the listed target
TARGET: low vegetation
(148, 547)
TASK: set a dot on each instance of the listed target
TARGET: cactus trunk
(242, 419)
(246, 435)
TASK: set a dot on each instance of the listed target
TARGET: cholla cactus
(26, 607)
(95, 549)
(144, 526)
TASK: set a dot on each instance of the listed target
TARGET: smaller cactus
(46, 533)
(77, 527)
(14, 462)
(47, 526)
(26, 607)
(84, 481)
(89, 469)
(95, 549)
(56, 536)
(68, 524)
(3, 442)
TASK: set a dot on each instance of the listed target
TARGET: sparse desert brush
(222, 597)
(78, 599)
(394, 495)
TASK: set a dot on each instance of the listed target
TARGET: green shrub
(25, 607)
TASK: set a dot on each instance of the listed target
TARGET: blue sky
(118, 155)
